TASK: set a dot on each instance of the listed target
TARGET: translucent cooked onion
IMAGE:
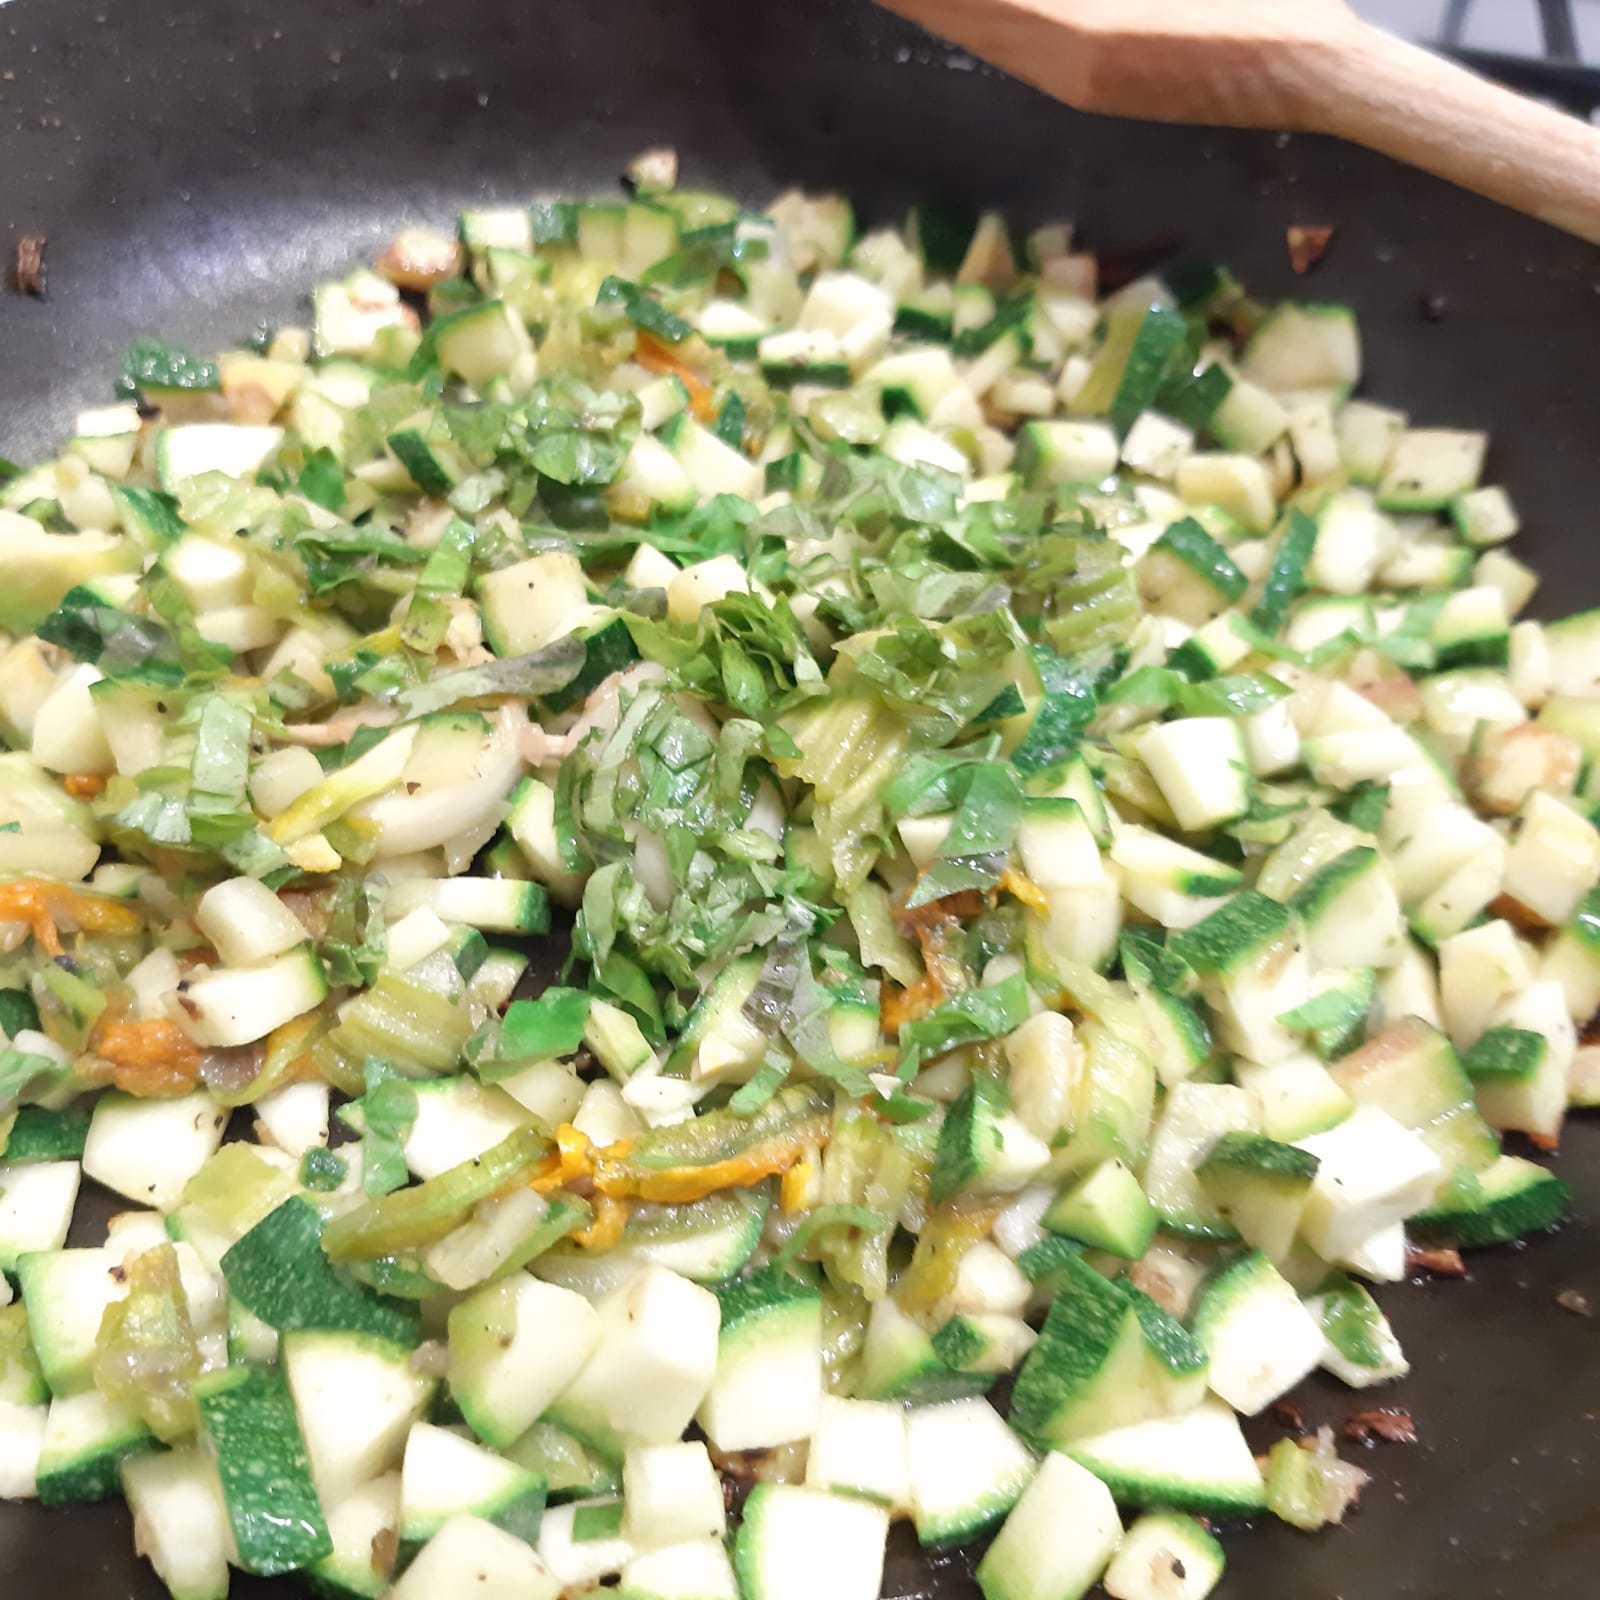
(407, 823)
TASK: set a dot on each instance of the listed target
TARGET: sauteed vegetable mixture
(1074, 869)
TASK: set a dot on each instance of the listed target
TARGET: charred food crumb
(28, 270)
(1389, 1423)
(1308, 243)
(1288, 1415)
(1441, 1261)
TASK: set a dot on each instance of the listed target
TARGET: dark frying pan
(197, 166)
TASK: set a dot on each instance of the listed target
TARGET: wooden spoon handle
(1305, 65)
(1395, 97)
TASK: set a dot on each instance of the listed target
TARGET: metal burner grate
(1548, 48)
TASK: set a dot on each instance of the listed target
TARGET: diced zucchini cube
(1430, 467)
(148, 1149)
(1057, 1539)
(514, 1346)
(1554, 861)
(444, 1475)
(795, 1543)
(672, 1494)
(179, 1520)
(1165, 1556)
(654, 1363)
(1260, 1339)
(967, 1469)
(469, 1549)
(859, 1447)
(1360, 1347)
(1300, 347)
(1201, 768)
(767, 1388)
(1372, 1172)
(1196, 1461)
(697, 1569)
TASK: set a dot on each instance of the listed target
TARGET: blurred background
(1550, 48)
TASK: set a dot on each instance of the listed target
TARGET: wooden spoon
(1306, 65)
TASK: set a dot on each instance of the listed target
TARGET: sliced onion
(652, 870)
(408, 823)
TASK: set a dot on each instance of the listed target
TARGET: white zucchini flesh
(534, 602)
(1057, 1540)
(357, 1399)
(1156, 445)
(767, 1388)
(1353, 538)
(655, 1360)
(1193, 1118)
(67, 732)
(470, 1556)
(246, 922)
(180, 1523)
(551, 1090)
(361, 1525)
(236, 1006)
(603, 1116)
(693, 1570)
(531, 822)
(672, 1494)
(1248, 1004)
(1058, 850)
(148, 1149)
(1201, 767)
(1238, 484)
(495, 1233)
(1164, 1556)
(1391, 1363)
(1554, 860)
(796, 1544)
(1298, 1096)
(579, 1563)
(457, 1120)
(967, 1468)
(21, 1439)
(443, 1475)
(714, 467)
(82, 1428)
(1197, 1460)
(1373, 1173)
(489, 342)
(294, 1118)
(1535, 1105)
(1260, 1339)
(36, 1201)
(988, 1281)
(1480, 970)
(1045, 1062)
(411, 939)
(1381, 1256)
(233, 449)
(859, 1447)
(514, 1346)
(494, 905)
(1155, 873)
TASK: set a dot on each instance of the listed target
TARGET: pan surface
(196, 167)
